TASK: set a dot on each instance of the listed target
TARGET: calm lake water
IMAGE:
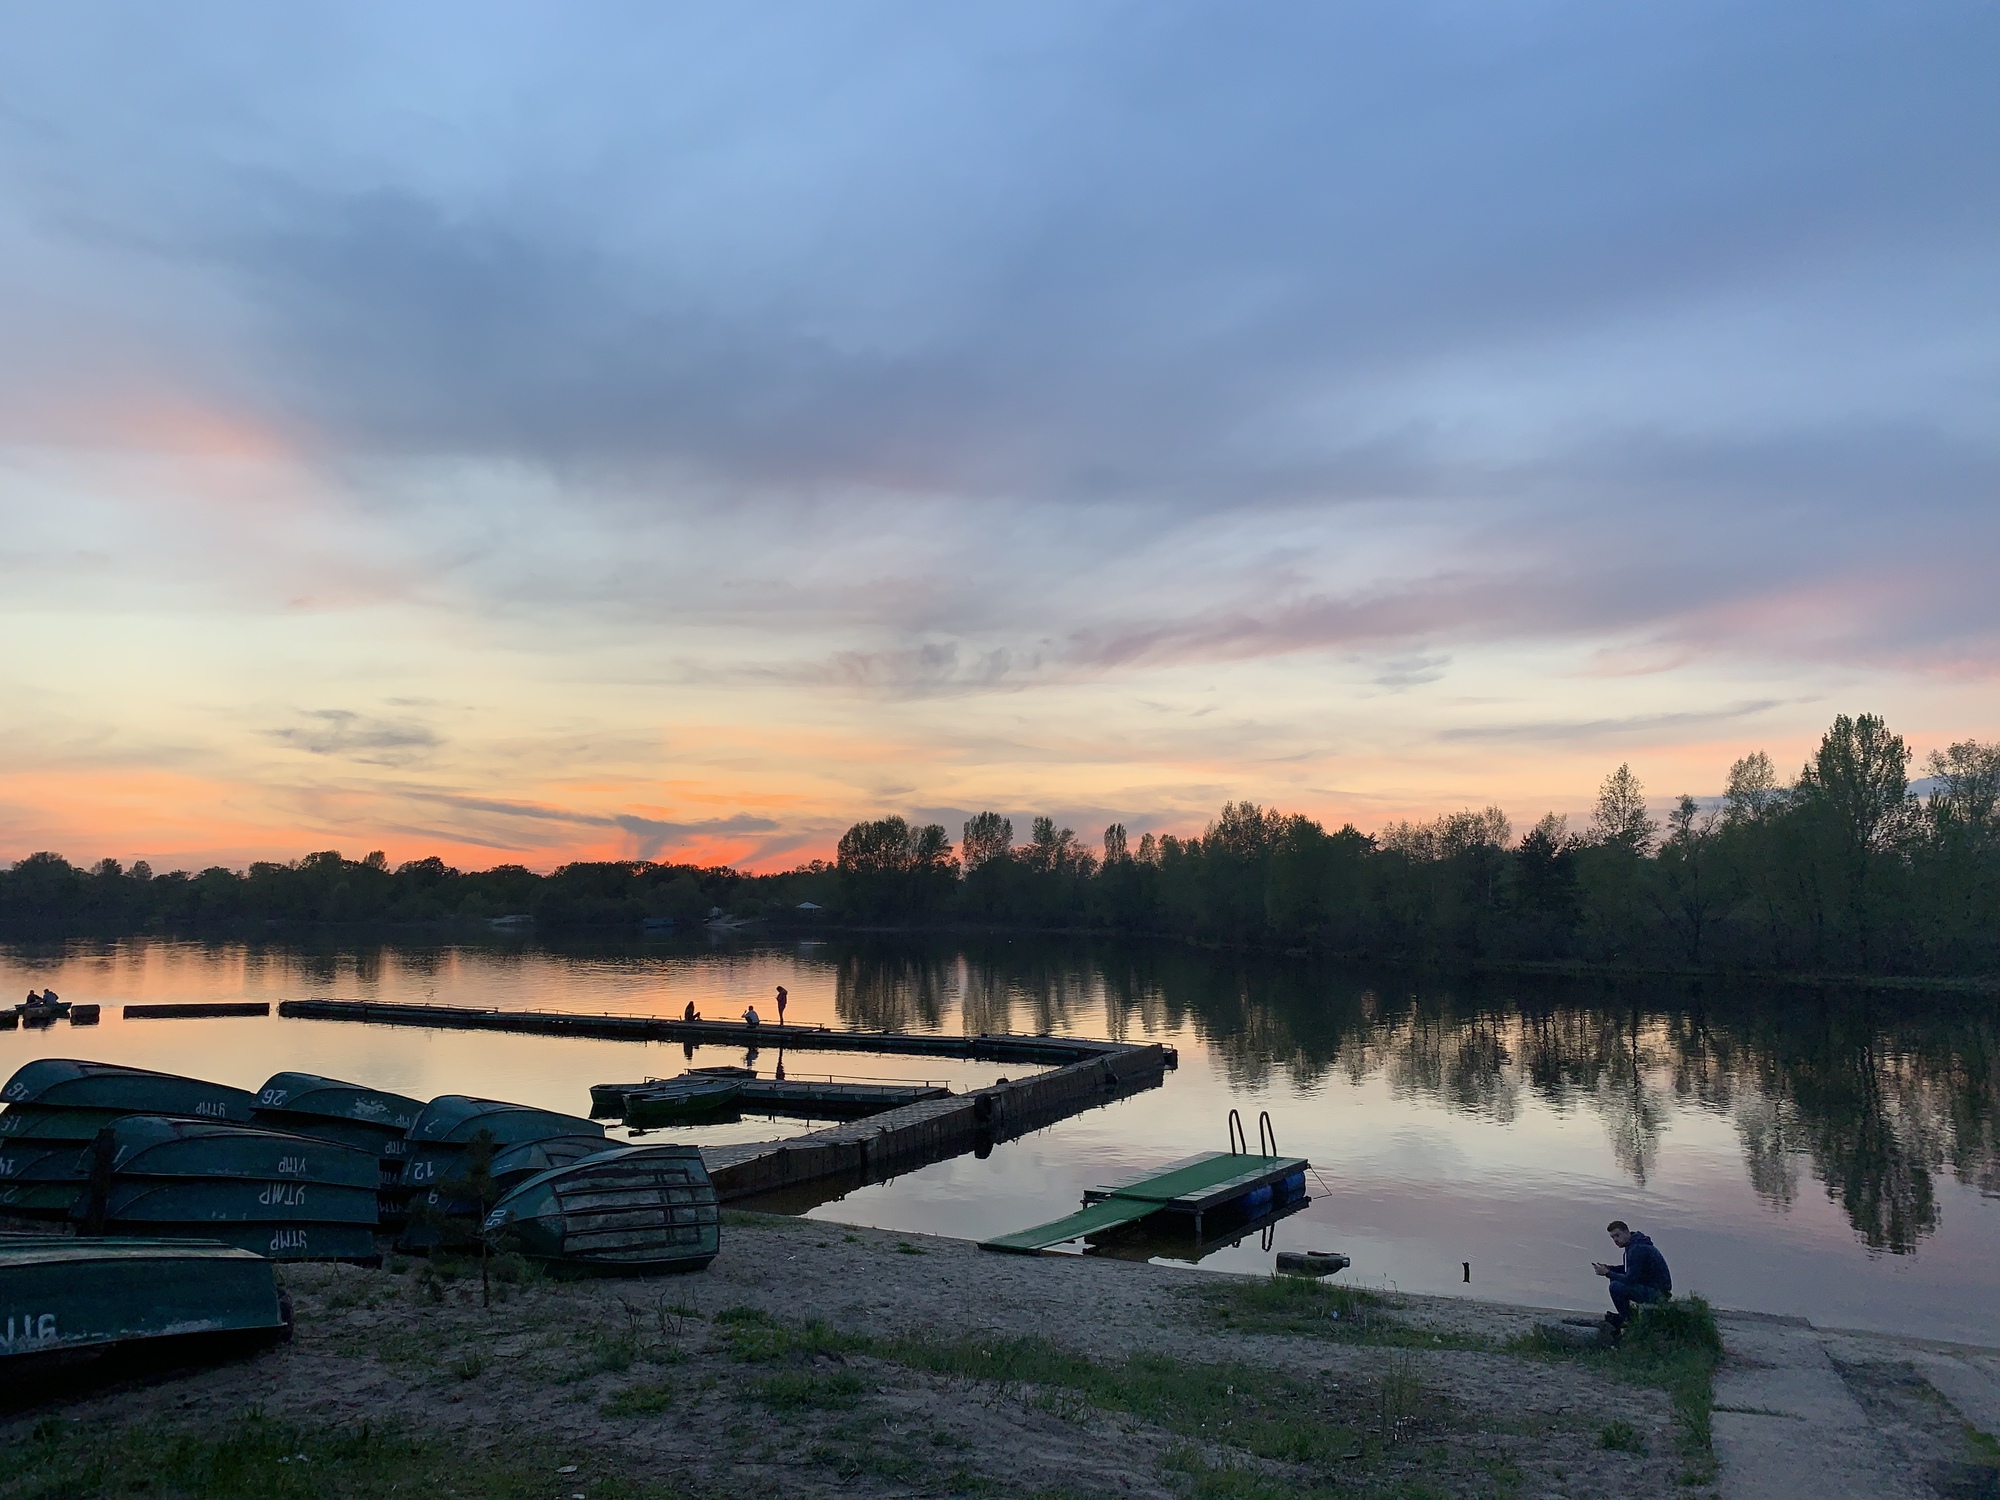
(1833, 1156)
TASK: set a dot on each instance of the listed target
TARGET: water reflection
(1878, 1099)
(1872, 1096)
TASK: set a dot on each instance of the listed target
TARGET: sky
(533, 433)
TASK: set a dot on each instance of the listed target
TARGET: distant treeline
(1842, 870)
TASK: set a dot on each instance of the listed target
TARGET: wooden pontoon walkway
(1083, 1074)
(1046, 1050)
(825, 1163)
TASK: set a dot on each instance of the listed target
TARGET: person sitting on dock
(1643, 1277)
(750, 1016)
(690, 1014)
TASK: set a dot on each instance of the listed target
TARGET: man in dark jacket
(1643, 1277)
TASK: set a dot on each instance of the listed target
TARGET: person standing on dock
(1643, 1277)
(781, 1005)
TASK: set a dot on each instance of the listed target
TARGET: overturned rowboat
(113, 1089)
(70, 1300)
(372, 1119)
(451, 1123)
(289, 1197)
(511, 1166)
(631, 1210)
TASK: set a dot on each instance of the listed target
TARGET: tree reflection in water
(1876, 1093)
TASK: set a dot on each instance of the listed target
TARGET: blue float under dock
(1196, 1186)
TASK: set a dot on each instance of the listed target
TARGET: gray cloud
(339, 733)
(1629, 726)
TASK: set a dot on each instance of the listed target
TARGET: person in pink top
(781, 1005)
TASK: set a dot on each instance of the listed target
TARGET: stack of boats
(311, 1168)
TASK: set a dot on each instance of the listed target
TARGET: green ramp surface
(1098, 1216)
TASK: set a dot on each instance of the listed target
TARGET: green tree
(1688, 875)
(1857, 786)
(988, 836)
(1620, 819)
(1753, 792)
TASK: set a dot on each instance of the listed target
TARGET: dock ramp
(1194, 1186)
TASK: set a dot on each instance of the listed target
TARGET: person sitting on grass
(1643, 1277)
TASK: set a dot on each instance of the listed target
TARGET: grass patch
(1257, 1410)
(642, 1399)
(1293, 1304)
(1673, 1347)
(904, 1247)
(755, 1337)
(1985, 1447)
(1621, 1437)
(262, 1459)
(1204, 1480)
(803, 1391)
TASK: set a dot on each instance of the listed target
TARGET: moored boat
(607, 1100)
(631, 1210)
(69, 1299)
(688, 1097)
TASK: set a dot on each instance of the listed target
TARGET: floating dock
(184, 1011)
(796, 1174)
(1193, 1187)
(826, 1100)
(1048, 1051)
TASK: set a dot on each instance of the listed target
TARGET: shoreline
(817, 1358)
(554, 937)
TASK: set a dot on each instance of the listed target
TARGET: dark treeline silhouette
(1843, 870)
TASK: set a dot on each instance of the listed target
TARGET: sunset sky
(531, 433)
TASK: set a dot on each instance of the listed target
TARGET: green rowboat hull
(671, 1103)
(355, 1242)
(200, 1201)
(633, 1210)
(36, 1122)
(331, 1099)
(42, 1161)
(74, 1084)
(153, 1146)
(450, 1124)
(457, 1118)
(40, 1200)
(67, 1296)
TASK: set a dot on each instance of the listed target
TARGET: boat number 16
(31, 1329)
